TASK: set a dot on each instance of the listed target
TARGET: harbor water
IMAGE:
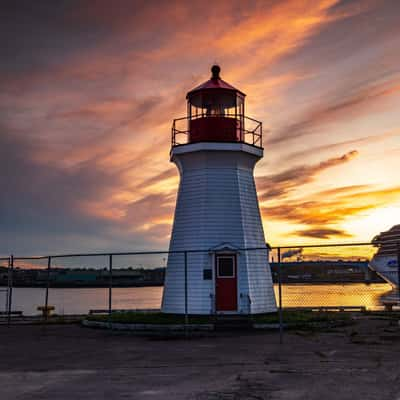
(81, 300)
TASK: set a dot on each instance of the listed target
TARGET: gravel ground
(72, 362)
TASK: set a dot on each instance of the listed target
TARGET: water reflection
(354, 294)
(80, 301)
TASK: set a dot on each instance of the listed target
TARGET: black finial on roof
(215, 70)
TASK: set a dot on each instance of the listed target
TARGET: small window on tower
(207, 274)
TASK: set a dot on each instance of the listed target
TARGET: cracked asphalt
(73, 362)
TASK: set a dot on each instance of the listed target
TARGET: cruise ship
(385, 261)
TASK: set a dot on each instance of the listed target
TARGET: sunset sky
(89, 90)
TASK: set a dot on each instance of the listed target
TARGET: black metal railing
(249, 129)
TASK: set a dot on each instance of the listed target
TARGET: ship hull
(387, 268)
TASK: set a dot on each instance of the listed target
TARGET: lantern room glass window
(216, 103)
(216, 113)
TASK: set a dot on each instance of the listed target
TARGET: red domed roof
(215, 83)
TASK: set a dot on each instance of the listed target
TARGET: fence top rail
(129, 253)
(155, 252)
(302, 246)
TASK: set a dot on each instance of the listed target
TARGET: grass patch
(59, 320)
(132, 317)
(316, 321)
(395, 315)
(292, 319)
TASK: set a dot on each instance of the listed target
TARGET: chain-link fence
(325, 277)
(4, 285)
(331, 277)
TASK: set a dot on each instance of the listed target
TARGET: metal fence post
(110, 284)
(8, 284)
(186, 292)
(10, 287)
(46, 299)
(280, 297)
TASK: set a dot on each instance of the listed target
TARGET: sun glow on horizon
(366, 226)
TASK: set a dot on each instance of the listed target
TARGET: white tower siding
(216, 204)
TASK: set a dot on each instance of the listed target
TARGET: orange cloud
(279, 185)
(89, 121)
(322, 212)
(271, 32)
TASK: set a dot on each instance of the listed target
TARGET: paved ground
(72, 362)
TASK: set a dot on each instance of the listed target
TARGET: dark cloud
(113, 109)
(291, 253)
(47, 205)
(350, 32)
(370, 139)
(278, 185)
(314, 213)
(347, 103)
(348, 70)
(345, 190)
(38, 37)
(322, 233)
(110, 121)
(330, 207)
(46, 197)
(323, 211)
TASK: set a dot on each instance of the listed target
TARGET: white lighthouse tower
(217, 216)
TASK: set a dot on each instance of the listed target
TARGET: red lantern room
(215, 113)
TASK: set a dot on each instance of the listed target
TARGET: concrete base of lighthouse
(217, 216)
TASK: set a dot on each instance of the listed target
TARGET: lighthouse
(217, 220)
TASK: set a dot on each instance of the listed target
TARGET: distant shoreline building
(83, 277)
(291, 272)
(215, 148)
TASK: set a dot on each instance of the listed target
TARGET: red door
(226, 283)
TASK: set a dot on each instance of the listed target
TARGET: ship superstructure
(385, 261)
